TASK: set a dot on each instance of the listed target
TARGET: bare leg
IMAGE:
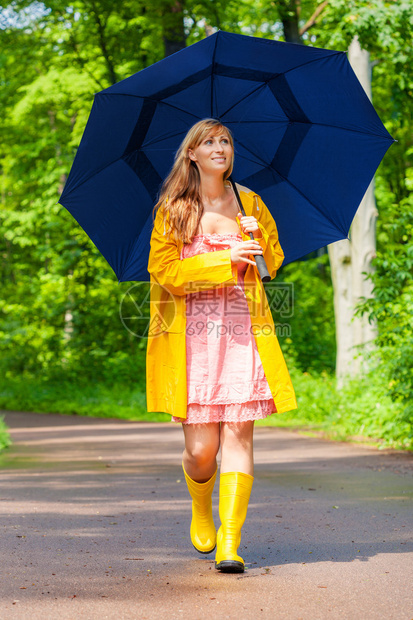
(201, 448)
(237, 447)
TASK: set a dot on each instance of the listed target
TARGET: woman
(213, 359)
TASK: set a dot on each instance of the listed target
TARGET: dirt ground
(95, 515)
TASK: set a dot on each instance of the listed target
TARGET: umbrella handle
(259, 260)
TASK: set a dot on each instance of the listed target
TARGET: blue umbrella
(307, 139)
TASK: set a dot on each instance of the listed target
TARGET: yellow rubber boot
(203, 532)
(234, 494)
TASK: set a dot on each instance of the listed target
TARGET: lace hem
(227, 412)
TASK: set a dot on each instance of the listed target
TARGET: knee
(201, 455)
(237, 435)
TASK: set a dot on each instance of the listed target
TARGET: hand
(249, 224)
(243, 249)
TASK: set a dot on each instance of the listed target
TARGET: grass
(361, 411)
(4, 435)
(102, 400)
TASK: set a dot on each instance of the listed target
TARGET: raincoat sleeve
(269, 241)
(191, 274)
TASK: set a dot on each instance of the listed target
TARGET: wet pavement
(95, 514)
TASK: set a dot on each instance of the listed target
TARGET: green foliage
(59, 311)
(385, 29)
(77, 397)
(361, 410)
(392, 305)
(5, 440)
(312, 340)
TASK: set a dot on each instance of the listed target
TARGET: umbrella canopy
(307, 139)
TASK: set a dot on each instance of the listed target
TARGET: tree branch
(313, 17)
(82, 61)
(101, 32)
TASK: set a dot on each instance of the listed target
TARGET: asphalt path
(95, 515)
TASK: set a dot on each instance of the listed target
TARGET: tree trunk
(173, 27)
(68, 326)
(101, 27)
(288, 12)
(363, 229)
(349, 259)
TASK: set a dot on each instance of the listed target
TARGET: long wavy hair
(179, 195)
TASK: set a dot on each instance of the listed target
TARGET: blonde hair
(179, 194)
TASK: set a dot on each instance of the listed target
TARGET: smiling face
(214, 154)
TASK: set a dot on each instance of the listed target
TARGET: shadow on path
(95, 519)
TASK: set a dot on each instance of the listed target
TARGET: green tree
(59, 312)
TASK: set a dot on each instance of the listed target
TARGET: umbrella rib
(95, 172)
(311, 123)
(253, 161)
(364, 133)
(155, 141)
(238, 102)
(174, 107)
(157, 101)
(262, 161)
(310, 61)
(282, 122)
(269, 167)
(263, 84)
(212, 77)
(115, 160)
(310, 202)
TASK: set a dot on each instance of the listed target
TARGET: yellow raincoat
(171, 278)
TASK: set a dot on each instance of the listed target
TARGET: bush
(392, 307)
(361, 409)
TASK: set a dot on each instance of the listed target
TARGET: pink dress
(225, 377)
